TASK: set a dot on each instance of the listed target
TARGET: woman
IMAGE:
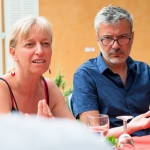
(24, 89)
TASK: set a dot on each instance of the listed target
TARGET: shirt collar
(131, 63)
(102, 65)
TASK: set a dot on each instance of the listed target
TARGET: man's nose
(115, 44)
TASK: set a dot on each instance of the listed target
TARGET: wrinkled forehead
(34, 30)
(120, 24)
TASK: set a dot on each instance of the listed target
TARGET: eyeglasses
(110, 41)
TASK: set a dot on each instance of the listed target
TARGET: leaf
(62, 83)
(112, 140)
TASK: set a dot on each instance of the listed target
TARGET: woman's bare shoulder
(5, 98)
(54, 92)
(50, 83)
(57, 101)
(3, 82)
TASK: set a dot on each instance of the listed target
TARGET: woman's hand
(44, 110)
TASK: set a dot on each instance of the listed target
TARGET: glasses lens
(107, 42)
(123, 41)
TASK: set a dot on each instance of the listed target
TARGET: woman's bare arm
(57, 102)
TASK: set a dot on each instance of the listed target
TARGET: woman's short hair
(22, 28)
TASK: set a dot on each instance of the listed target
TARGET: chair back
(69, 100)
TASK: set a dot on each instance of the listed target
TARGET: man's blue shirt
(96, 87)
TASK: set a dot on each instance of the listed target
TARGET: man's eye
(123, 37)
(108, 38)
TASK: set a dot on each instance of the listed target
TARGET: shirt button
(118, 77)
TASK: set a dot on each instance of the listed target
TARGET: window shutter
(1, 38)
(13, 11)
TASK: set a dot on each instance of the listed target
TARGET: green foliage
(67, 92)
(61, 83)
(112, 140)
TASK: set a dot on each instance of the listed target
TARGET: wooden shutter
(14, 10)
(1, 38)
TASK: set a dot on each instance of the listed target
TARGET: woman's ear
(13, 53)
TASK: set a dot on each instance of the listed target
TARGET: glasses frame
(101, 39)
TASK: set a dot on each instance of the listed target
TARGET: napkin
(142, 143)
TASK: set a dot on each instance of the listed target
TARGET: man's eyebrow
(124, 34)
(108, 35)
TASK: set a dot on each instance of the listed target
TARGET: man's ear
(13, 53)
(133, 35)
(97, 39)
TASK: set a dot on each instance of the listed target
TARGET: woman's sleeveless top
(13, 98)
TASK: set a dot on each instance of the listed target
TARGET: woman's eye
(29, 45)
(46, 44)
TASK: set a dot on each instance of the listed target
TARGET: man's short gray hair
(110, 15)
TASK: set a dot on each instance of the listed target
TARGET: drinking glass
(98, 124)
(125, 141)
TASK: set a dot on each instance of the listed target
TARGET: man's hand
(140, 122)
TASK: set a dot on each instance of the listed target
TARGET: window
(14, 10)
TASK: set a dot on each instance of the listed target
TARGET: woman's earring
(49, 71)
(13, 73)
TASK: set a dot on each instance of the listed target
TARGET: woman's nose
(39, 50)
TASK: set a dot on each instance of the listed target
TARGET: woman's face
(34, 53)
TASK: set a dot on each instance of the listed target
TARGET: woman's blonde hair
(22, 28)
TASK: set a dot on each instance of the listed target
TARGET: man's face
(115, 54)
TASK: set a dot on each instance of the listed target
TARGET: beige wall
(72, 22)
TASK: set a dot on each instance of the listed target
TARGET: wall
(73, 27)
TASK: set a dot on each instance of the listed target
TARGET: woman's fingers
(40, 108)
(49, 112)
(27, 115)
(44, 110)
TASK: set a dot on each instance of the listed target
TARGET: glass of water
(98, 124)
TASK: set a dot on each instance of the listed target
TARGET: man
(113, 83)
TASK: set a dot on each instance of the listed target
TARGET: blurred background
(73, 27)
